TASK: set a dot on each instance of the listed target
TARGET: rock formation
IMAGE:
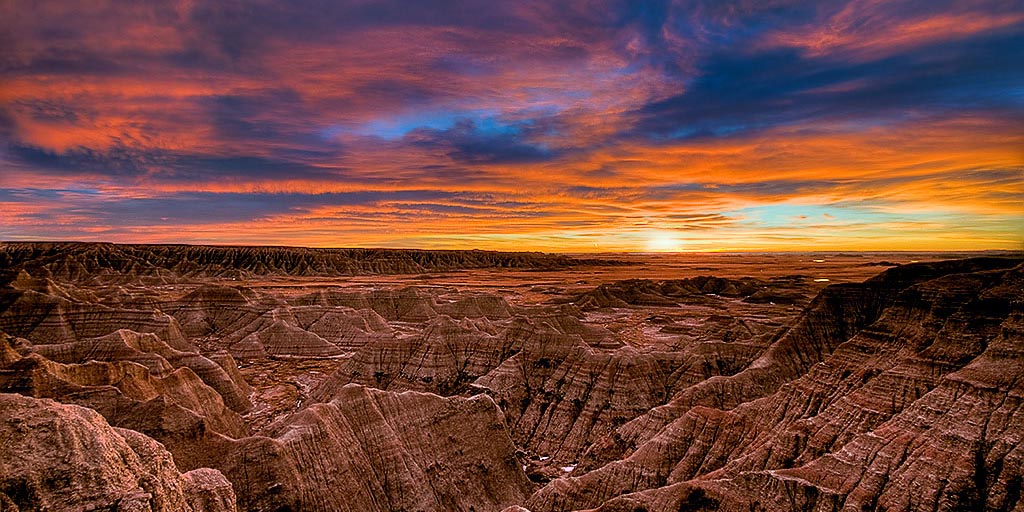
(129, 364)
(177, 408)
(363, 450)
(642, 292)
(73, 261)
(371, 450)
(902, 396)
(65, 457)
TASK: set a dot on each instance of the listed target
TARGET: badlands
(199, 378)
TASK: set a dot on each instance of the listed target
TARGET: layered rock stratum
(277, 379)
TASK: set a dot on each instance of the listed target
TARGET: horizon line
(556, 252)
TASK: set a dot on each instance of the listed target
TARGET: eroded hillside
(272, 379)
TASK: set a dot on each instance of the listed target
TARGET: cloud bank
(581, 126)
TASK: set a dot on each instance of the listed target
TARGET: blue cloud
(487, 141)
(737, 91)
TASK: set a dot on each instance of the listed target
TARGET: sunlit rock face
(155, 378)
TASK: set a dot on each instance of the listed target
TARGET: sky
(572, 126)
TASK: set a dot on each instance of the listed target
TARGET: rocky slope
(364, 449)
(563, 381)
(372, 450)
(174, 407)
(75, 330)
(65, 457)
(908, 401)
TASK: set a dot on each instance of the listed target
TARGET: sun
(663, 242)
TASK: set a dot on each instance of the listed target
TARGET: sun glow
(661, 241)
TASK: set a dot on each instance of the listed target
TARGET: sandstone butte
(181, 378)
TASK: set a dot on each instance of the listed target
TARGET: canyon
(206, 378)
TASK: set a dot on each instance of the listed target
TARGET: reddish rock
(371, 450)
(65, 457)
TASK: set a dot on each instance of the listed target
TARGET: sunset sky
(559, 126)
